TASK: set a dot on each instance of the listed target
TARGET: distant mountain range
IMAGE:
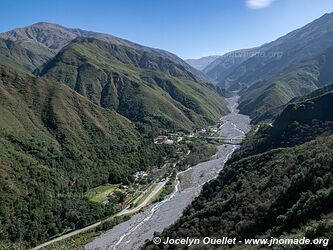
(272, 74)
(262, 97)
(41, 41)
(202, 62)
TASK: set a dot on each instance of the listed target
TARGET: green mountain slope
(17, 56)
(139, 85)
(273, 112)
(294, 81)
(292, 48)
(300, 121)
(54, 145)
(271, 75)
(278, 183)
(255, 198)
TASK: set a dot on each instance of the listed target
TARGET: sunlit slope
(138, 85)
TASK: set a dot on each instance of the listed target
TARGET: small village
(168, 138)
(146, 182)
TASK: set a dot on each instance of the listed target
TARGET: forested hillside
(80, 111)
(278, 183)
(55, 144)
(139, 85)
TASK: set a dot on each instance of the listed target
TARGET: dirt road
(125, 211)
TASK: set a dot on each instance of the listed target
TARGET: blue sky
(188, 28)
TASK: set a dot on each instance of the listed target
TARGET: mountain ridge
(294, 81)
(114, 76)
(297, 45)
(37, 38)
(226, 63)
(80, 112)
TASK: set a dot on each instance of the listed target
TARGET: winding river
(133, 233)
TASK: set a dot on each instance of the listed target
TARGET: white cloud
(258, 4)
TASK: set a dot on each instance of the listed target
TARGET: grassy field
(99, 194)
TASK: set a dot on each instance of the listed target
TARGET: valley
(133, 233)
(108, 144)
(185, 185)
(270, 186)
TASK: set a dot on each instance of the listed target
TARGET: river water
(133, 233)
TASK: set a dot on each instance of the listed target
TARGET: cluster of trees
(200, 151)
(43, 187)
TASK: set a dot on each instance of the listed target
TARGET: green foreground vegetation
(51, 162)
